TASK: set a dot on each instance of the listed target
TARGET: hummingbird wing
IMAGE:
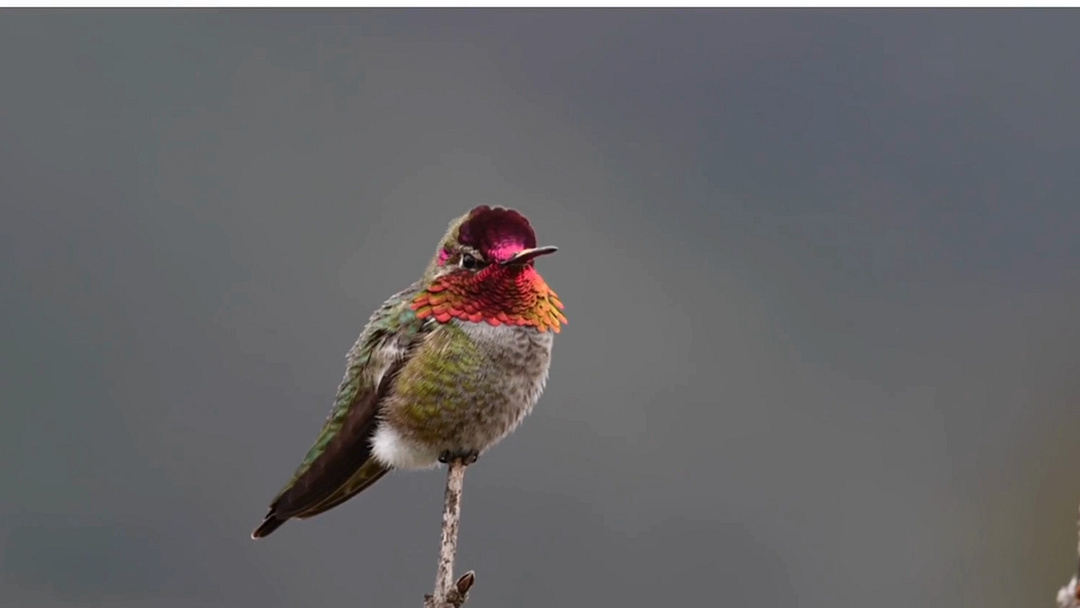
(339, 464)
(368, 473)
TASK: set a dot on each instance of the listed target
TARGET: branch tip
(465, 582)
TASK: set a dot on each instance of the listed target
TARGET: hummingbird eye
(469, 262)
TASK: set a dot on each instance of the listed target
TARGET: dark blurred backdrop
(821, 269)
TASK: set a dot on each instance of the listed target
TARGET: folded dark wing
(344, 443)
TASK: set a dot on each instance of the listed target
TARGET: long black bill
(525, 255)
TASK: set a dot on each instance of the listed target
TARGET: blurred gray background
(821, 269)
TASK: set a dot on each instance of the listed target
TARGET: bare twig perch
(450, 594)
(1069, 595)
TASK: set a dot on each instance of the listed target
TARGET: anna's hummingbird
(443, 370)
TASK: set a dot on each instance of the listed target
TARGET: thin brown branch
(450, 594)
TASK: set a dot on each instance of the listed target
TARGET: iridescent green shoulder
(390, 333)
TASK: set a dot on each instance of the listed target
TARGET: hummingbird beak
(525, 255)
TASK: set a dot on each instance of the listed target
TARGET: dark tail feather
(368, 474)
(271, 523)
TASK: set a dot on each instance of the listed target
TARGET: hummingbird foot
(467, 457)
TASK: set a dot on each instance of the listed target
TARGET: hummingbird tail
(271, 523)
(370, 472)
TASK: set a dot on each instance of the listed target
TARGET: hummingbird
(443, 370)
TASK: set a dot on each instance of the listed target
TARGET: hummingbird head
(484, 271)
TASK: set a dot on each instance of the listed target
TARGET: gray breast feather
(518, 362)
